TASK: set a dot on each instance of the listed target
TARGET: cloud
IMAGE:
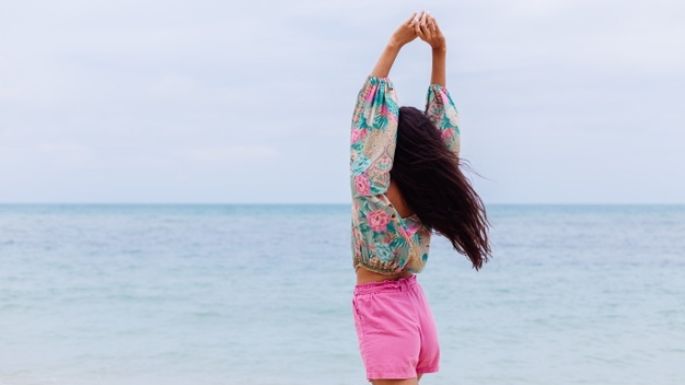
(132, 90)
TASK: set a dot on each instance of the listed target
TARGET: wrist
(394, 44)
(439, 45)
(439, 48)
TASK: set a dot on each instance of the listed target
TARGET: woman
(406, 182)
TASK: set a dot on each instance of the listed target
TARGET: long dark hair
(429, 177)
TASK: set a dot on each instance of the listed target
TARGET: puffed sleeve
(441, 110)
(373, 136)
(385, 236)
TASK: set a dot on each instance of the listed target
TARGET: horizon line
(188, 203)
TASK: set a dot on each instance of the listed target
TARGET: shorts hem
(432, 369)
(387, 375)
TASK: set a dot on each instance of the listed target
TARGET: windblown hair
(432, 184)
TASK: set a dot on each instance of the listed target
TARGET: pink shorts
(395, 328)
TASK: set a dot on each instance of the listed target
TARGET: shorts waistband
(386, 285)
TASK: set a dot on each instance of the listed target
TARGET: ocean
(261, 295)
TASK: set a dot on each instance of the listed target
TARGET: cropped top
(382, 240)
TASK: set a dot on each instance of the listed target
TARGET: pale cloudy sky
(571, 101)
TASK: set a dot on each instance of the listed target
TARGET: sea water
(261, 294)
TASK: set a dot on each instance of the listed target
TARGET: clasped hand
(421, 25)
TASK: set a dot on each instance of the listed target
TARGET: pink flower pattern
(361, 183)
(357, 134)
(378, 220)
(382, 241)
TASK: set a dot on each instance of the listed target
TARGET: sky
(560, 101)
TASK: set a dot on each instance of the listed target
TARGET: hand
(405, 33)
(427, 29)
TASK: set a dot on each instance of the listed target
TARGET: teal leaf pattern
(441, 110)
(382, 241)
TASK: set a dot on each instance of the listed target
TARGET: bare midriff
(365, 275)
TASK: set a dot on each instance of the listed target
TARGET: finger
(418, 32)
(410, 21)
(427, 26)
(424, 15)
(418, 24)
(427, 31)
(415, 18)
(420, 29)
(424, 30)
(433, 24)
(437, 27)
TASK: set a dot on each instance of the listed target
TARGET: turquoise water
(260, 294)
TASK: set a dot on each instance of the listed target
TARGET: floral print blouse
(382, 240)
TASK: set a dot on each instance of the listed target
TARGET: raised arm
(403, 35)
(372, 143)
(438, 66)
(441, 110)
(440, 107)
(374, 120)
